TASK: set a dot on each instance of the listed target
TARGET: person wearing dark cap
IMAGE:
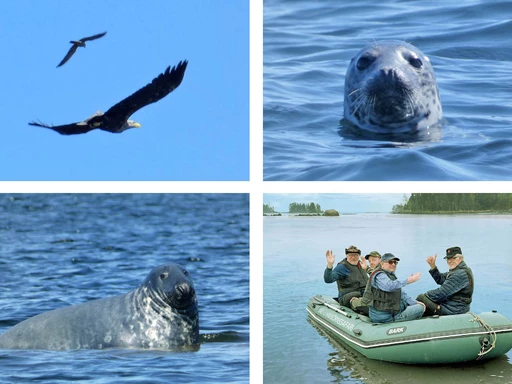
(350, 274)
(374, 259)
(356, 303)
(455, 293)
(385, 297)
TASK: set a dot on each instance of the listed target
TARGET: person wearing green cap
(455, 293)
(350, 274)
(385, 297)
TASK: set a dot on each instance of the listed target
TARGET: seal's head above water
(172, 286)
(390, 87)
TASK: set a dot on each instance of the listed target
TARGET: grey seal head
(161, 314)
(390, 87)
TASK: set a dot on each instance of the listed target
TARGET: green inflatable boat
(429, 340)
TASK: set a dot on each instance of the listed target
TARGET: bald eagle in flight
(78, 43)
(115, 120)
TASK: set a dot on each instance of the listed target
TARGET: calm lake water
(308, 46)
(59, 249)
(294, 261)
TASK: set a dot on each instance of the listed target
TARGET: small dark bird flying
(115, 120)
(79, 43)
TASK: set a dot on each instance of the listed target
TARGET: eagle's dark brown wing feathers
(70, 53)
(160, 87)
(68, 129)
(94, 37)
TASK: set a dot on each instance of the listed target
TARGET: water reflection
(349, 366)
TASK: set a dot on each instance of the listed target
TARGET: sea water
(308, 46)
(59, 249)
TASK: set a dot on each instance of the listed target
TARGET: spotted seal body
(161, 313)
(390, 87)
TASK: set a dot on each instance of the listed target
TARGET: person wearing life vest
(455, 293)
(356, 303)
(374, 259)
(350, 274)
(385, 297)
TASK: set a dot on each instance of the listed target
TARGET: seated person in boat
(350, 274)
(385, 297)
(374, 259)
(356, 303)
(456, 286)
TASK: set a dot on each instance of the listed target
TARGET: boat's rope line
(492, 334)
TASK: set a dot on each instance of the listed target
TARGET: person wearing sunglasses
(455, 293)
(385, 297)
(350, 274)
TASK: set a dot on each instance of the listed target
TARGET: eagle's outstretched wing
(160, 87)
(93, 37)
(68, 129)
(70, 53)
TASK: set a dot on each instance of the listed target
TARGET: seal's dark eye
(364, 62)
(415, 62)
(164, 275)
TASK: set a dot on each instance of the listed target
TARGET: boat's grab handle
(319, 300)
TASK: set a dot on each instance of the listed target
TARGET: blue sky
(198, 132)
(342, 202)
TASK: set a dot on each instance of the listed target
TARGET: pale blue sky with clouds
(342, 202)
(198, 132)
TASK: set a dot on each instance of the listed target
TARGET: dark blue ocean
(62, 249)
(307, 49)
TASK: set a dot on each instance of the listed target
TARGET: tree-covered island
(455, 203)
(301, 209)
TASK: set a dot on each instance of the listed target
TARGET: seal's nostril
(184, 291)
(182, 296)
(390, 73)
(181, 289)
(386, 71)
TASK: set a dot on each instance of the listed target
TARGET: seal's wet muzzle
(183, 296)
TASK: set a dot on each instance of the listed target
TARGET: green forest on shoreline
(310, 208)
(430, 203)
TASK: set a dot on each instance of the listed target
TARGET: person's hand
(431, 260)
(363, 262)
(329, 256)
(413, 278)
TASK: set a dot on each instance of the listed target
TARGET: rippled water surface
(307, 49)
(295, 351)
(59, 249)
